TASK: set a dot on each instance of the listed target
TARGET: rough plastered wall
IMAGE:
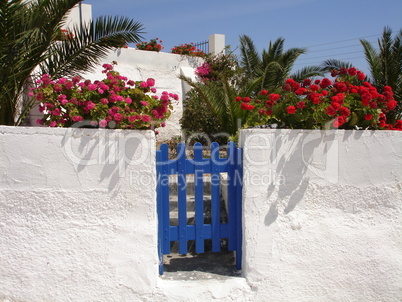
(165, 68)
(321, 220)
(77, 215)
(323, 215)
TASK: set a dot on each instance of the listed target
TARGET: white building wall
(80, 13)
(216, 43)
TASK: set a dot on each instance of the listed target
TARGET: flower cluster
(114, 102)
(203, 71)
(215, 67)
(188, 49)
(347, 102)
(153, 45)
(64, 34)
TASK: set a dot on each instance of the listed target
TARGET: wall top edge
(156, 53)
(76, 131)
(331, 131)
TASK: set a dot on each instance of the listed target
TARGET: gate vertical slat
(238, 182)
(199, 199)
(164, 184)
(232, 196)
(215, 199)
(182, 197)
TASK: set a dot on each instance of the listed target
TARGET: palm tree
(274, 65)
(210, 107)
(385, 65)
(31, 43)
(215, 102)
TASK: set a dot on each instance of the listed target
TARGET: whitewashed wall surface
(321, 218)
(77, 214)
(323, 214)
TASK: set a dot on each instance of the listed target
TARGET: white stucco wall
(321, 218)
(165, 68)
(77, 215)
(322, 215)
(80, 13)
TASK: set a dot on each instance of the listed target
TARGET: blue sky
(327, 28)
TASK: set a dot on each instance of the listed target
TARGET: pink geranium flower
(102, 123)
(150, 82)
(77, 118)
(90, 105)
(145, 118)
(118, 117)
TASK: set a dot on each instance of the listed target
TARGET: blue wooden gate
(199, 231)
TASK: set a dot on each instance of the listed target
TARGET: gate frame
(182, 166)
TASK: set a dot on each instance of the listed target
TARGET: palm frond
(331, 64)
(91, 43)
(385, 65)
(373, 61)
(250, 58)
(307, 72)
(275, 49)
(219, 98)
(276, 64)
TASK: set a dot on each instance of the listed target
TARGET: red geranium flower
(361, 76)
(301, 105)
(339, 121)
(352, 71)
(368, 117)
(274, 97)
(291, 109)
(301, 91)
(325, 83)
(306, 82)
(391, 104)
(246, 106)
(330, 110)
(344, 111)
